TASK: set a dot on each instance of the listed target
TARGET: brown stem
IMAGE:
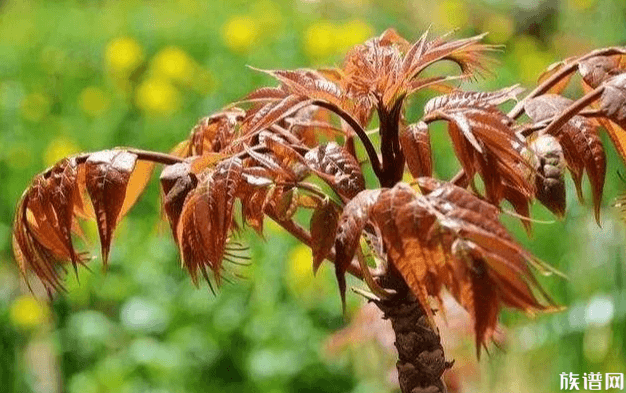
(369, 148)
(393, 158)
(421, 360)
(460, 179)
(573, 110)
(285, 134)
(146, 155)
(558, 76)
(305, 237)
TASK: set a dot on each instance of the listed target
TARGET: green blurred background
(87, 75)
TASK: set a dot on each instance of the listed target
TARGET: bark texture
(421, 360)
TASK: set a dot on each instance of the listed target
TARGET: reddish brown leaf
(331, 159)
(549, 166)
(551, 70)
(177, 181)
(483, 140)
(580, 142)
(46, 218)
(598, 69)
(613, 99)
(44, 222)
(472, 99)
(351, 224)
(211, 134)
(252, 209)
(206, 220)
(415, 143)
(323, 229)
(107, 175)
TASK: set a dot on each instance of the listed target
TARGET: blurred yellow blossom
(239, 33)
(499, 27)
(302, 283)
(300, 264)
(299, 278)
(35, 107)
(57, 149)
(353, 33)
(27, 312)
(173, 63)
(319, 40)
(123, 55)
(452, 14)
(157, 96)
(93, 101)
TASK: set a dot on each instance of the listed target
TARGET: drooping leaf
(252, 209)
(351, 224)
(47, 214)
(451, 238)
(549, 165)
(598, 69)
(613, 99)
(323, 229)
(415, 143)
(344, 171)
(582, 148)
(44, 222)
(483, 140)
(177, 181)
(107, 177)
(206, 220)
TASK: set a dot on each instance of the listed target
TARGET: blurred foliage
(87, 75)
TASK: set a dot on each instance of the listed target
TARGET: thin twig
(573, 110)
(146, 155)
(305, 237)
(369, 148)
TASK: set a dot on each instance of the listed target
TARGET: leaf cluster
(293, 147)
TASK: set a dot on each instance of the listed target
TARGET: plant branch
(305, 237)
(573, 110)
(369, 148)
(560, 74)
(146, 155)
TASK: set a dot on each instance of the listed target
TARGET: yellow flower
(157, 96)
(123, 55)
(300, 264)
(27, 312)
(173, 63)
(35, 107)
(353, 33)
(239, 33)
(319, 40)
(499, 27)
(306, 287)
(59, 148)
(93, 101)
